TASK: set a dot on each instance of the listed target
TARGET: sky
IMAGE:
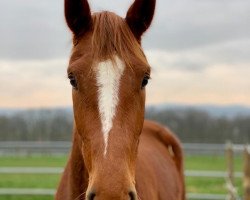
(199, 51)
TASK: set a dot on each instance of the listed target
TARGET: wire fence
(63, 147)
(58, 170)
(54, 148)
(51, 192)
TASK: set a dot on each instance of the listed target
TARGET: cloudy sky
(199, 51)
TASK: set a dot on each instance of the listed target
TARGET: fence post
(230, 171)
(246, 178)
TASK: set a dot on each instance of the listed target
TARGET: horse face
(108, 72)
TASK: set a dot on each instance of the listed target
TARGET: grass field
(50, 181)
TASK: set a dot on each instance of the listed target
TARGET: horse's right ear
(78, 16)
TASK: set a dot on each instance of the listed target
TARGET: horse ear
(78, 15)
(140, 15)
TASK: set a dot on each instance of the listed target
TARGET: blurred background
(199, 53)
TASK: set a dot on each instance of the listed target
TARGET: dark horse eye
(144, 81)
(72, 80)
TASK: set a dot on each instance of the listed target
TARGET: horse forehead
(111, 67)
(108, 75)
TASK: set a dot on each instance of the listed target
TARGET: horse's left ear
(139, 16)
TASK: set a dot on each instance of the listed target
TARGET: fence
(58, 170)
(230, 180)
(27, 148)
(54, 148)
(246, 180)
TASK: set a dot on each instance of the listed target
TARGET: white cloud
(34, 83)
(37, 29)
(44, 83)
(218, 83)
(199, 51)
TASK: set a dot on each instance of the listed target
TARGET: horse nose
(91, 196)
(132, 195)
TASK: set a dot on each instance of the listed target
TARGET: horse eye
(73, 81)
(144, 81)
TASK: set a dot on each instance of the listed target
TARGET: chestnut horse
(116, 154)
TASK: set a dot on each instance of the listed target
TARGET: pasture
(49, 181)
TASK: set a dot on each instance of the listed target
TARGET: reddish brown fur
(155, 181)
(112, 36)
(152, 170)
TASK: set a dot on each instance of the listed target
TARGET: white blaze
(108, 81)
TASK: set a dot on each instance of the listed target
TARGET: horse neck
(78, 173)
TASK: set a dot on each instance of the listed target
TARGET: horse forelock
(112, 37)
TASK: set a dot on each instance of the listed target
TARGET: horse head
(108, 72)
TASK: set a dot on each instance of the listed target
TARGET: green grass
(210, 185)
(33, 161)
(208, 162)
(25, 197)
(50, 181)
(29, 180)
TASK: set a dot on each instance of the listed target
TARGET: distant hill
(9, 111)
(14, 111)
(213, 110)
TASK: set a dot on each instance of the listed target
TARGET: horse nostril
(132, 195)
(91, 196)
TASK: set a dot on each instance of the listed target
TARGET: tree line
(198, 126)
(190, 125)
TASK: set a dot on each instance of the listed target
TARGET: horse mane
(112, 37)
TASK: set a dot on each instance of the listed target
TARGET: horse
(116, 154)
